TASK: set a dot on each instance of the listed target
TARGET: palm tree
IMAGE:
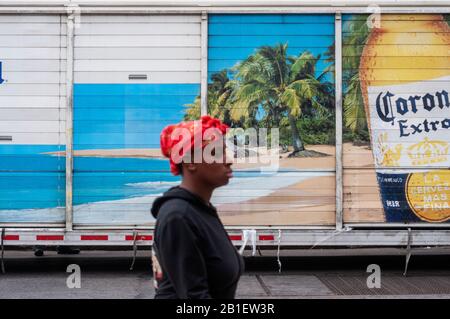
(447, 18)
(285, 85)
(193, 110)
(356, 33)
(354, 112)
(219, 92)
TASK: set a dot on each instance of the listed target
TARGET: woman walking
(192, 254)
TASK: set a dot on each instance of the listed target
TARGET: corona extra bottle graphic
(405, 82)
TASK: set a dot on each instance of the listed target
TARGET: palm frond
(354, 112)
(292, 101)
(304, 64)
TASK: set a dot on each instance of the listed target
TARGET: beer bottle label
(410, 129)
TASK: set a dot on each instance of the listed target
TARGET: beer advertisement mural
(396, 81)
(135, 74)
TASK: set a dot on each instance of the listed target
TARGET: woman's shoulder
(176, 213)
(175, 208)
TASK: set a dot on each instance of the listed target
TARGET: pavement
(306, 274)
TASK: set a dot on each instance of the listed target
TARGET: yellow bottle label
(410, 129)
(410, 124)
(428, 195)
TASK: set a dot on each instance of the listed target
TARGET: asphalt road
(305, 274)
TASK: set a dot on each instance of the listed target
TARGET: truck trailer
(358, 94)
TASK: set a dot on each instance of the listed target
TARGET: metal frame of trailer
(339, 235)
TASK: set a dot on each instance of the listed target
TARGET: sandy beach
(309, 201)
(312, 202)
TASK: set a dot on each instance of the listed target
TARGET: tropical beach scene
(276, 71)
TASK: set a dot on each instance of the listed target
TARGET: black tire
(39, 252)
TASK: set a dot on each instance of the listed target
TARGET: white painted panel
(29, 18)
(31, 114)
(137, 65)
(30, 101)
(63, 76)
(138, 41)
(33, 65)
(34, 138)
(166, 48)
(32, 28)
(32, 126)
(62, 105)
(152, 77)
(32, 41)
(138, 53)
(138, 28)
(35, 77)
(140, 18)
(30, 89)
(32, 53)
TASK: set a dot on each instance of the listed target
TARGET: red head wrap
(169, 140)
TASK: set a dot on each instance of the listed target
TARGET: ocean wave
(136, 210)
(154, 185)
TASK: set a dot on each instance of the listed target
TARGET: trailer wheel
(39, 252)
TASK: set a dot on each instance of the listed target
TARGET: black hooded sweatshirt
(197, 258)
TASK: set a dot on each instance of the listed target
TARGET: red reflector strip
(50, 237)
(266, 237)
(139, 237)
(94, 237)
(235, 237)
(11, 237)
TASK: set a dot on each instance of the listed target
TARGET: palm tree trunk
(296, 140)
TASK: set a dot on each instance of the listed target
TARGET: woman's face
(215, 173)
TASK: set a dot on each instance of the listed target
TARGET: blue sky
(127, 115)
(232, 38)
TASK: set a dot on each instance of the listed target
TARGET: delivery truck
(358, 94)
